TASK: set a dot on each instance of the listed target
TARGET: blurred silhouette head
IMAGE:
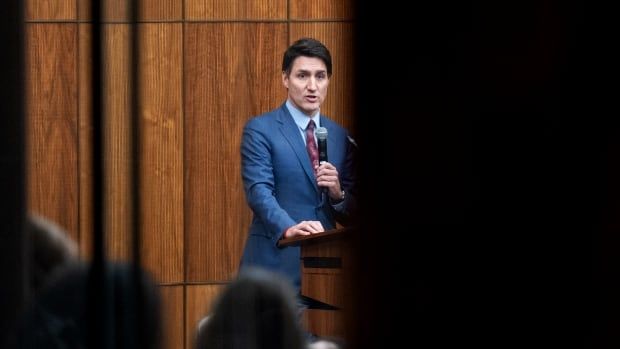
(51, 251)
(61, 317)
(255, 311)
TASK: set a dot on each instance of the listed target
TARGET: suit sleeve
(346, 210)
(258, 181)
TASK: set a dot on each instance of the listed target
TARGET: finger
(311, 229)
(324, 171)
(327, 182)
(305, 226)
(316, 226)
(301, 229)
(326, 167)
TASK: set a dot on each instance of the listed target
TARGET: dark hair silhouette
(51, 250)
(60, 317)
(255, 311)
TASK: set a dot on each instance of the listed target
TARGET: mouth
(311, 99)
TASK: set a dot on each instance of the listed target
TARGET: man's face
(307, 84)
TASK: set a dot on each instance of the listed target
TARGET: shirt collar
(302, 119)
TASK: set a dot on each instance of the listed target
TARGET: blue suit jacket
(281, 189)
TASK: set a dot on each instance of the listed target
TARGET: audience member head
(257, 310)
(61, 316)
(51, 250)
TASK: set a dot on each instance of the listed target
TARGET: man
(288, 194)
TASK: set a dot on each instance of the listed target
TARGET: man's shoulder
(333, 126)
(267, 117)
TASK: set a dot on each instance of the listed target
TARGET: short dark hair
(306, 47)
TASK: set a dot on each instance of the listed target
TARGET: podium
(326, 259)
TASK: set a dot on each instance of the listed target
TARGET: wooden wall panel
(83, 8)
(85, 141)
(50, 10)
(235, 10)
(232, 72)
(172, 316)
(116, 11)
(162, 150)
(119, 11)
(117, 134)
(200, 300)
(338, 37)
(52, 141)
(150, 10)
(168, 10)
(322, 9)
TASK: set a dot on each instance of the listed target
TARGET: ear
(285, 79)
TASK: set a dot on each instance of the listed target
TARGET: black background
(489, 175)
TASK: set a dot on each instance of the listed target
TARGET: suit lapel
(290, 131)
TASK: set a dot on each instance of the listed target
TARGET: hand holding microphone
(327, 174)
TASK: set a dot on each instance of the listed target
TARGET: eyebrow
(309, 72)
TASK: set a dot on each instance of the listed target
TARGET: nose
(312, 83)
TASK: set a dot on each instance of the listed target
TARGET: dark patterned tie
(311, 145)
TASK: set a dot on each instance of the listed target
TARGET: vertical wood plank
(115, 11)
(232, 73)
(149, 10)
(84, 9)
(50, 10)
(200, 300)
(161, 123)
(338, 37)
(164, 10)
(322, 9)
(52, 184)
(117, 133)
(235, 10)
(172, 316)
(85, 123)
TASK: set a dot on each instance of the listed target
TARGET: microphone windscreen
(321, 133)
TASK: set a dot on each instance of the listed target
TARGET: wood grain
(324, 323)
(172, 316)
(50, 10)
(200, 300)
(52, 127)
(161, 162)
(232, 72)
(322, 9)
(117, 133)
(118, 11)
(338, 37)
(85, 122)
(235, 10)
(84, 9)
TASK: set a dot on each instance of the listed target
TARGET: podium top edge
(299, 240)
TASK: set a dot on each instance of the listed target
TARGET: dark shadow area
(61, 317)
(489, 176)
(13, 249)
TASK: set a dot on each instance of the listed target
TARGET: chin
(310, 109)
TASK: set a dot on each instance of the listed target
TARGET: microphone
(321, 136)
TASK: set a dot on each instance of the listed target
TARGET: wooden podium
(325, 261)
